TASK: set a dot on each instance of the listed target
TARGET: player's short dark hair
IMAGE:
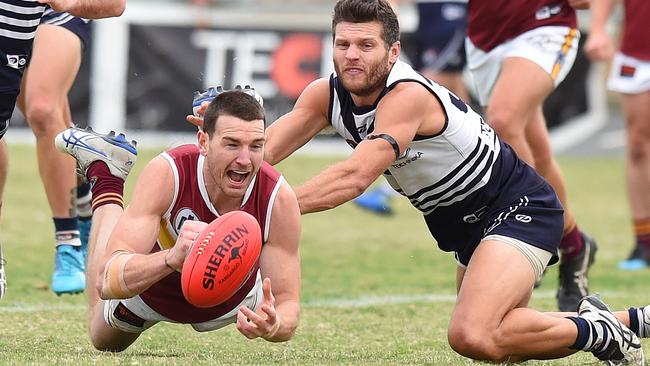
(364, 11)
(231, 103)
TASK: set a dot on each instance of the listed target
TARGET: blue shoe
(635, 262)
(84, 234)
(211, 93)
(69, 271)
(88, 146)
(374, 201)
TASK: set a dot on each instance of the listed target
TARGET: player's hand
(197, 119)
(580, 4)
(189, 232)
(263, 323)
(599, 46)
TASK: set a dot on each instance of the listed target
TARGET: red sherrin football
(221, 259)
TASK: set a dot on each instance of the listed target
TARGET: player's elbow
(270, 156)
(118, 8)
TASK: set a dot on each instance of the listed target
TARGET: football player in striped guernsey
(18, 22)
(502, 220)
(60, 41)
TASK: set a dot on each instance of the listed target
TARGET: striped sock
(639, 323)
(105, 187)
(571, 245)
(642, 234)
(66, 231)
(593, 336)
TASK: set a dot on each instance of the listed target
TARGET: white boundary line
(341, 303)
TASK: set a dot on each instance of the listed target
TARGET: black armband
(389, 139)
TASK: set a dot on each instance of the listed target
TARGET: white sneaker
(88, 146)
(3, 279)
(624, 347)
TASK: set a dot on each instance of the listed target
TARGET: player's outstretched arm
(128, 268)
(93, 9)
(277, 317)
(294, 129)
(406, 110)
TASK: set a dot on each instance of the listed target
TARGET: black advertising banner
(166, 64)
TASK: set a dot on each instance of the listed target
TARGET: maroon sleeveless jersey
(635, 41)
(191, 202)
(493, 22)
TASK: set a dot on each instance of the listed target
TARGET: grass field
(376, 290)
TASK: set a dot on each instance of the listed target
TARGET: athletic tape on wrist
(114, 286)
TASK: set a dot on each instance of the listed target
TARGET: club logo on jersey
(628, 71)
(183, 214)
(17, 62)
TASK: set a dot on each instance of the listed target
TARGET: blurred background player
(630, 76)
(17, 30)
(518, 51)
(56, 56)
(440, 46)
(136, 254)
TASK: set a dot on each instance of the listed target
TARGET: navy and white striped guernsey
(465, 181)
(19, 19)
(18, 22)
(434, 171)
(50, 16)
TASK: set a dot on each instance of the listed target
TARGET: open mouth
(237, 176)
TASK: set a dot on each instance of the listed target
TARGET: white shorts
(537, 257)
(553, 48)
(629, 75)
(145, 316)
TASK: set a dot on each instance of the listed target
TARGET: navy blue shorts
(536, 219)
(79, 26)
(440, 37)
(7, 104)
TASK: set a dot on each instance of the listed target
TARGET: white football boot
(623, 347)
(88, 146)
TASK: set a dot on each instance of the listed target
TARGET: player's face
(234, 153)
(361, 59)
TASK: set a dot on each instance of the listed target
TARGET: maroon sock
(105, 187)
(642, 234)
(571, 245)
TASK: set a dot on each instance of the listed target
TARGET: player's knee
(474, 342)
(40, 115)
(505, 122)
(638, 146)
(105, 343)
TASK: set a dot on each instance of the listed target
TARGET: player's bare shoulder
(315, 96)
(154, 190)
(412, 101)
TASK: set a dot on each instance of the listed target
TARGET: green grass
(346, 255)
